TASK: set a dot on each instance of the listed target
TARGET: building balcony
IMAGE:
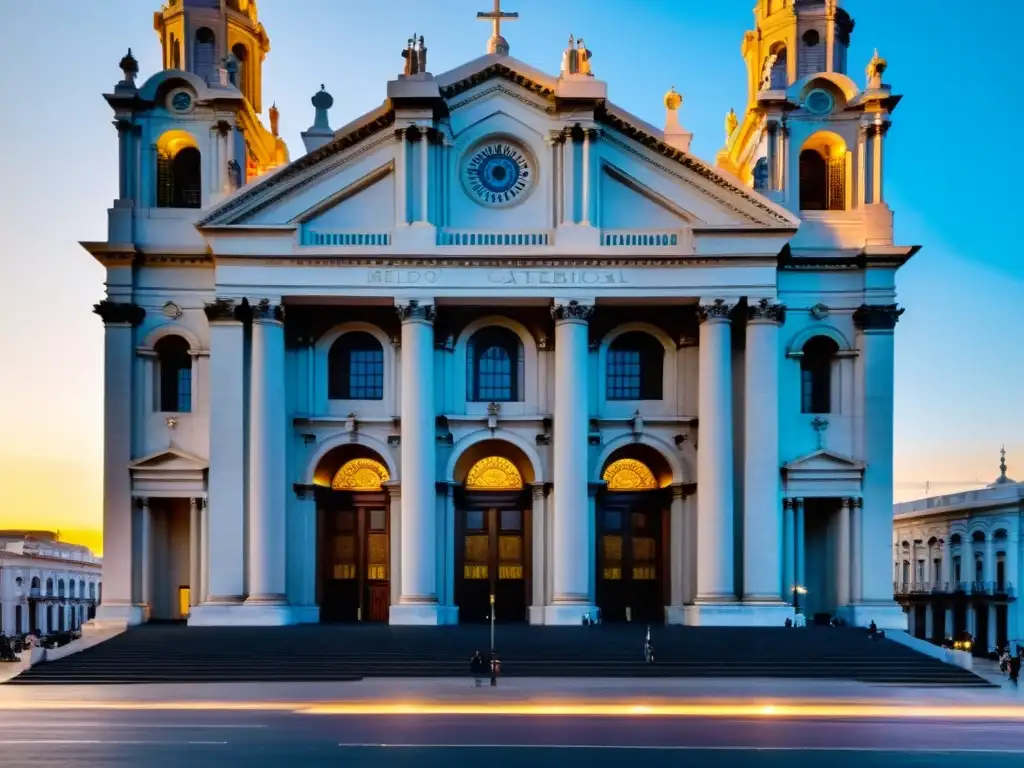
(999, 590)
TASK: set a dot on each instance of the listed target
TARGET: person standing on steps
(476, 668)
(1014, 669)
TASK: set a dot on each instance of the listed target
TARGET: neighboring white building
(46, 584)
(957, 563)
(499, 337)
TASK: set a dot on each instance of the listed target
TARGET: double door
(355, 565)
(631, 583)
(491, 560)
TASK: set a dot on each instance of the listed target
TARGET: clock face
(181, 101)
(498, 173)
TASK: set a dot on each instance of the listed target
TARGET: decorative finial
(130, 68)
(497, 43)
(1002, 463)
(275, 115)
(875, 69)
(731, 122)
(673, 99)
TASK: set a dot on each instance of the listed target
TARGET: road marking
(691, 748)
(92, 742)
(37, 723)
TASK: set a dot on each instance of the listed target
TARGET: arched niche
(636, 467)
(495, 456)
(528, 401)
(330, 461)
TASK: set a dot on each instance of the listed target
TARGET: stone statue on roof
(875, 69)
(576, 58)
(411, 56)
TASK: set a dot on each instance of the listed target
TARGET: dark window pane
(511, 520)
(355, 368)
(175, 375)
(612, 520)
(635, 367)
(378, 520)
(494, 366)
(475, 520)
(816, 375)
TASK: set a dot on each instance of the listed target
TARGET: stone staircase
(179, 654)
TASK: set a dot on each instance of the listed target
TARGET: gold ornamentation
(360, 475)
(494, 474)
(629, 475)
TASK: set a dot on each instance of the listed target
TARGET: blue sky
(960, 346)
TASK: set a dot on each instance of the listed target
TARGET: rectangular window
(366, 375)
(184, 390)
(624, 374)
(816, 387)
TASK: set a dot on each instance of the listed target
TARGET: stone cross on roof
(497, 43)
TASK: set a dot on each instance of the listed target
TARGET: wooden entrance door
(630, 584)
(492, 560)
(355, 565)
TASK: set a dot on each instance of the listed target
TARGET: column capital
(858, 502)
(119, 313)
(877, 317)
(227, 311)
(538, 491)
(554, 137)
(265, 311)
(415, 311)
(847, 502)
(572, 310)
(679, 490)
(799, 501)
(764, 311)
(394, 489)
(788, 502)
(142, 502)
(714, 310)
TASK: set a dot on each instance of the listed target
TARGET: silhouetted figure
(477, 669)
(1014, 669)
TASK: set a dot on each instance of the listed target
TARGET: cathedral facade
(499, 347)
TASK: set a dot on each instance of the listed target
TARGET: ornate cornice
(765, 310)
(265, 311)
(414, 311)
(877, 317)
(496, 70)
(117, 312)
(719, 309)
(572, 310)
(221, 310)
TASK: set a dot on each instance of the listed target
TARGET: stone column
(929, 621)
(762, 522)
(843, 555)
(226, 483)
(585, 201)
(450, 548)
(204, 551)
(856, 548)
(119, 320)
(143, 556)
(774, 160)
(788, 550)
(801, 542)
(194, 545)
(715, 583)
(946, 567)
(568, 179)
(394, 490)
(947, 624)
(991, 639)
(875, 361)
(989, 571)
(417, 603)
(424, 176)
(554, 140)
(539, 558)
(267, 490)
(1011, 576)
(677, 558)
(572, 519)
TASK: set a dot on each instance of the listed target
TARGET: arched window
(19, 581)
(60, 588)
(355, 368)
(242, 54)
(175, 376)
(49, 586)
(823, 175)
(204, 54)
(178, 176)
(780, 75)
(34, 584)
(813, 181)
(92, 591)
(81, 587)
(495, 366)
(72, 587)
(634, 369)
(816, 375)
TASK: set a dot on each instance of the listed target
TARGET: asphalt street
(197, 739)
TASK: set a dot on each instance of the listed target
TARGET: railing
(475, 237)
(640, 238)
(1000, 589)
(346, 239)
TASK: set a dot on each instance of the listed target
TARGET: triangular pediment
(824, 460)
(171, 459)
(627, 202)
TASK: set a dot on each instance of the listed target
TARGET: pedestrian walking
(477, 668)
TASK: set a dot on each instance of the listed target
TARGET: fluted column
(572, 521)
(800, 537)
(119, 321)
(194, 545)
(677, 542)
(204, 551)
(267, 479)
(302, 554)
(588, 133)
(843, 555)
(424, 177)
(789, 550)
(945, 571)
(226, 482)
(568, 179)
(715, 581)
(418, 596)
(762, 522)
(143, 558)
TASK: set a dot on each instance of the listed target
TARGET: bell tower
(202, 36)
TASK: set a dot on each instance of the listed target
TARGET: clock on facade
(181, 101)
(498, 173)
